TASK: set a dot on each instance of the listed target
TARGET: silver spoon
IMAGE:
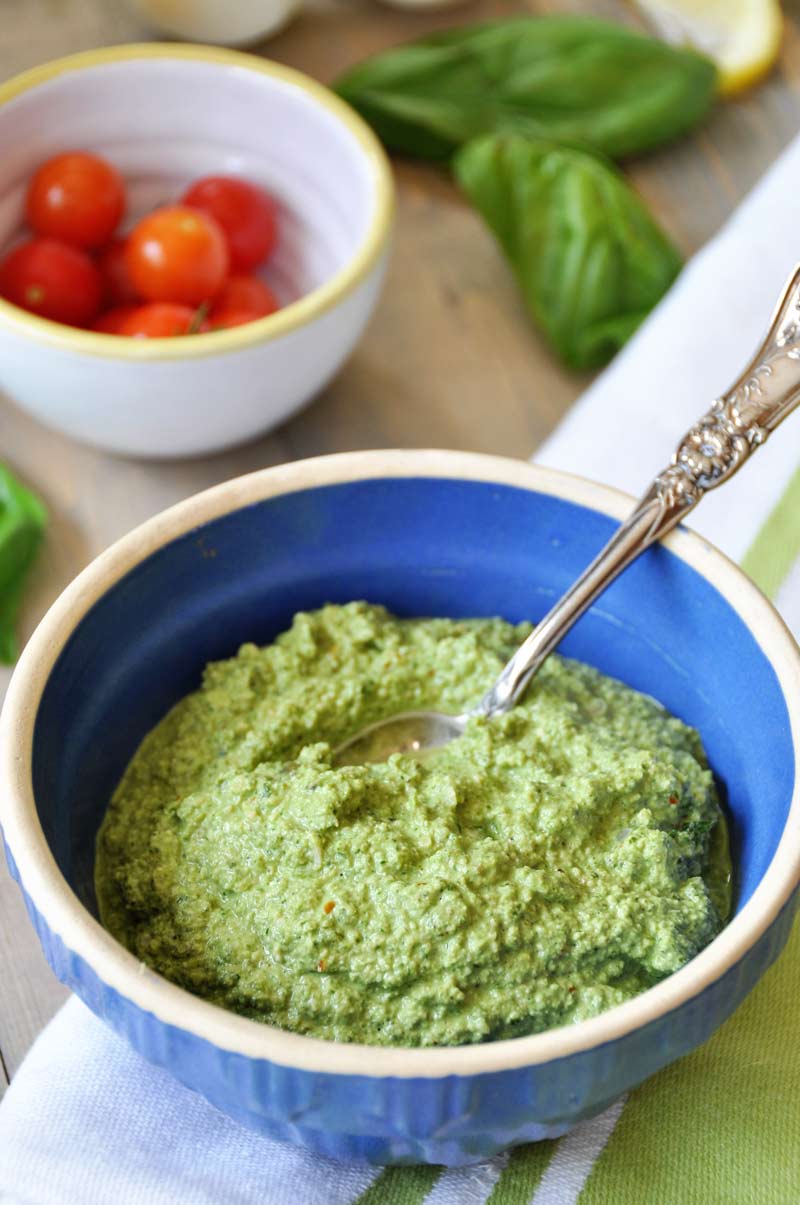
(709, 454)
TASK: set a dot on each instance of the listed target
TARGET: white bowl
(166, 115)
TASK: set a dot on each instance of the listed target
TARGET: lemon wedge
(743, 37)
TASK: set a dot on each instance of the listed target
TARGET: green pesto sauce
(551, 863)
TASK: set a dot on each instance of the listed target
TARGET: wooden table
(449, 360)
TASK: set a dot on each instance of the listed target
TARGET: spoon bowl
(414, 733)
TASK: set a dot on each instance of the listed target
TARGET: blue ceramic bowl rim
(81, 932)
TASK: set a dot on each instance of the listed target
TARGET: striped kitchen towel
(86, 1120)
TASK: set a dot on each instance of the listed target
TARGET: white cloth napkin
(87, 1121)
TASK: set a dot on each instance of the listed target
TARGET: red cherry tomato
(53, 280)
(161, 320)
(111, 322)
(246, 214)
(117, 285)
(245, 293)
(177, 254)
(223, 320)
(76, 197)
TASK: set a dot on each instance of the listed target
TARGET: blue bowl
(426, 533)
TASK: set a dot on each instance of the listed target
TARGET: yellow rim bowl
(238, 338)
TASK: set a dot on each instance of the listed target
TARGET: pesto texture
(550, 864)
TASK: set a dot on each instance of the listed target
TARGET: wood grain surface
(449, 359)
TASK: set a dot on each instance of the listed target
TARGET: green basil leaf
(22, 521)
(573, 79)
(590, 260)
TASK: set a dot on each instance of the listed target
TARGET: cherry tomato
(76, 197)
(177, 254)
(117, 285)
(111, 322)
(53, 280)
(246, 214)
(224, 319)
(245, 293)
(160, 320)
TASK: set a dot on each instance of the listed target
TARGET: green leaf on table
(575, 79)
(22, 521)
(589, 258)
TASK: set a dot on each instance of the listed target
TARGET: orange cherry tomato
(245, 212)
(244, 292)
(76, 197)
(112, 321)
(177, 254)
(117, 285)
(161, 320)
(52, 279)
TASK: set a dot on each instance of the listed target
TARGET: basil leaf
(22, 521)
(574, 79)
(589, 259)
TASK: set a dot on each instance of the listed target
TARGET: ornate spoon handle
(709, 454)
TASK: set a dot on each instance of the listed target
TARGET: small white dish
(217, 21)
(166, 115)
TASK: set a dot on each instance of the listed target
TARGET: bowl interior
(166, 121)
(421, 546)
